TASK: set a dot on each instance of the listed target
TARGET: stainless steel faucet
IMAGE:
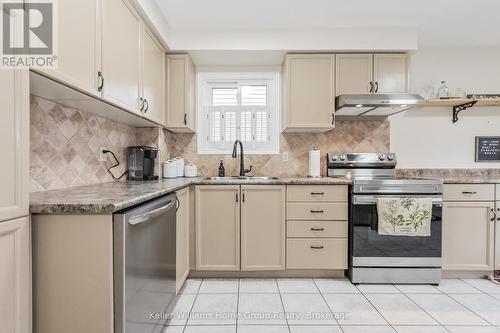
(243, 171)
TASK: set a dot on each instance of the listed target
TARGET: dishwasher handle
(152, 214)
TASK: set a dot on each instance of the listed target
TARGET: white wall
(426, 137)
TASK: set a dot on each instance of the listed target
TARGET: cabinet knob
(469, 192)
(371, 87)
(376, 87)
(317, 247)
(494, 214)
(317, 193)
(100, 79)
(315, 211)
(317, 229)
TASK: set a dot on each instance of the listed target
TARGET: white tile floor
(334, 306)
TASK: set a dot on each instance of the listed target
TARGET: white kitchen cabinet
(218, 227)
(15, 276)
(391, 73)
(14, 135)
(468, 236)
(262, 227)
(497, 233)
(121, 63)
(308, 93)
(153, 77)
(182, 230)
(354, 73)
(181, 113)
(79, 45)
(365, 73)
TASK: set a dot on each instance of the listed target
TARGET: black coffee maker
(141, 162)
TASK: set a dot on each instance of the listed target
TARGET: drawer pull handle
(313, 211)
(469, 192)
(317, 193)
(317, 247)
(317, 229)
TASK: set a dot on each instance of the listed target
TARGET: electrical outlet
(102, 155)
(285, 156)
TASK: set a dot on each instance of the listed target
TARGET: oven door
(369, 249)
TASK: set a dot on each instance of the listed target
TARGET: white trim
(271, 79)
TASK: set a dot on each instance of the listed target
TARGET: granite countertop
(108, 198)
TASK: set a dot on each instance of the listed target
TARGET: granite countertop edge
(109, 198)
(90, 200)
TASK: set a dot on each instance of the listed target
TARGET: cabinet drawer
(317, 229)
(316, 211)
(316, 193)
(316, 253)
(469, 192)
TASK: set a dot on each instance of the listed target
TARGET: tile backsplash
(64, 145)
(65, 142)
(348, 136)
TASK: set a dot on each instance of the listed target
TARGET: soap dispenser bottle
(222, 170)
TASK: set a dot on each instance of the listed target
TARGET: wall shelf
(459, 101)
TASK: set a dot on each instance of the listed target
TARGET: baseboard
(466, 274)
(269, 274)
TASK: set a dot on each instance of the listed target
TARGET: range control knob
(390, 157)
(343, 157)
(381, 157)
(334, 157)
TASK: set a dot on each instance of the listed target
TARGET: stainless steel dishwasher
(144, 264)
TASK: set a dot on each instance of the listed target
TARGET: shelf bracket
(461, 107)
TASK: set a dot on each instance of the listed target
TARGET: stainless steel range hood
(375, 105)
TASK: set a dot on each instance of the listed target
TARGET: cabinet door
(262, 228)
(14, 135)
(497, 234)
(310, 92)
(218, 227)
(15, 273)
(180, 93)
(468, 236)
(390, 73)
(182, 252)
(354, 73)
(121, 54)
(79, 43)
(153, 86)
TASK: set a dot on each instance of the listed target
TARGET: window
(238, 106)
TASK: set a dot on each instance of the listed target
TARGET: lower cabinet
(262, 227)
(468, 236)
(182, 241)
(316, 253)
(15, 276)
(497, 232)
(260, 236)
(218, 227)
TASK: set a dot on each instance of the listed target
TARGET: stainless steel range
(377, 258)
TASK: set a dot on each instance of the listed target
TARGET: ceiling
(437, 22)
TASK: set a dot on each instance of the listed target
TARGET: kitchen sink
(242, 178)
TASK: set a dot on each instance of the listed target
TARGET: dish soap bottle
(443, 91)
(222, 170)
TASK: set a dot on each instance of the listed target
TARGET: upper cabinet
(181, 111)
(372, 73)
(106, 51)
(121, 34)
(354, 74)
(391, 73)
(153, 77)
(308, 93)
(14, 135)
(79, 43)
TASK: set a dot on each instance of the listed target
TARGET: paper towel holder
(317, 173)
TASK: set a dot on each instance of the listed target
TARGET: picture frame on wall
(487, 149)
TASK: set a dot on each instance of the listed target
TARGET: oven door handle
(372, 199)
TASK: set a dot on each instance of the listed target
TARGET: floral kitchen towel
(404, 216)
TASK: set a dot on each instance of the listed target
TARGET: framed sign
(487, 148)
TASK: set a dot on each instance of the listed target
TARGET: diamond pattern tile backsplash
(348, 136)
(64, 145)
